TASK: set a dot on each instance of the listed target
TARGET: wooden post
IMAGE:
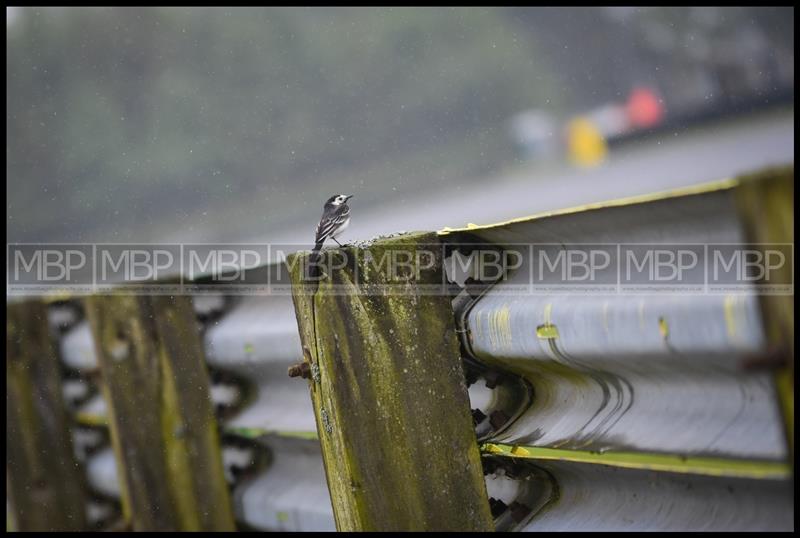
(389, 394)
(44, 481)
(766, 203)
(162, 424)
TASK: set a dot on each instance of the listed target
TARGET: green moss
(161, 420)
(396, 412)
(44, 486)
(766, 202)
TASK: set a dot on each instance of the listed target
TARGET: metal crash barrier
(468, 398)
(639, 395)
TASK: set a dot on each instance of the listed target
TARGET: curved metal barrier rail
(662, 382)
(593, 411)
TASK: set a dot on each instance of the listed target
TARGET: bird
(335, 219)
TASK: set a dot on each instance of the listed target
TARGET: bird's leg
(337, 242)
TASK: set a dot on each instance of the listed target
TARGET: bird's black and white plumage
(335, 219)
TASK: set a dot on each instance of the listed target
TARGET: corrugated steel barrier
(610, 408)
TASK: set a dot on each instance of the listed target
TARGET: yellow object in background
(587, 146)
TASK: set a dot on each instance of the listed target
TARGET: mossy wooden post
(162, 424)
(389, 394)
(766, 202)
(44, 481)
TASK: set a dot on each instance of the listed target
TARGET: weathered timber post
(162, 424)
(766, 203)
(389, 395)
(44, 481)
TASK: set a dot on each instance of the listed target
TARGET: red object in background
(644, 109)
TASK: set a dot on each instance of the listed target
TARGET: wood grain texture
(162, 424)
(389, 394)
(44, 481)
(766, 204)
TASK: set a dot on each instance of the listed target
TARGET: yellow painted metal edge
(703, 188)
(252, 433)
(88, 419)
(649, 461)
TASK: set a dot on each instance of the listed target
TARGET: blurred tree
(125, 120)
(215, 124)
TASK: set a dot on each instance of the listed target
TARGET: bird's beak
(348, 197)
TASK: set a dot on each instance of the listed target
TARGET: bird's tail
(313, 271)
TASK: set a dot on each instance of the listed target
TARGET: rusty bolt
(301, 369)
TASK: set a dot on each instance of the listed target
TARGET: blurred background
(236, 124)
(213, 125)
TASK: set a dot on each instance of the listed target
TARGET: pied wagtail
(335, 219)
